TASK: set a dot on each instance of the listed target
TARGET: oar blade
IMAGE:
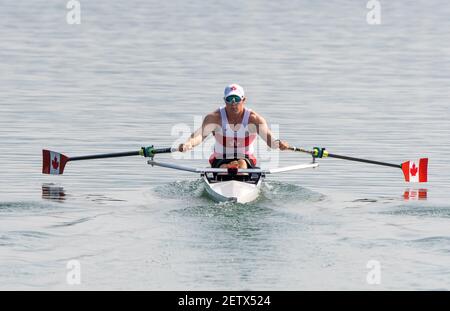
(416, 171)
(53, 163)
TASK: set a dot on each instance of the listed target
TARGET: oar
(54, 162)
(414, 171)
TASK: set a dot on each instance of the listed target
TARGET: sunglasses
(233, 99)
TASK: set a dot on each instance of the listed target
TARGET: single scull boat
(232, 184)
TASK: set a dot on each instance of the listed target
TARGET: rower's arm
(202, 132)
(264, 132)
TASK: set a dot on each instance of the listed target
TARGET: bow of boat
(233, 190)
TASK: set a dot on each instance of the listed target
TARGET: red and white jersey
(232, 144)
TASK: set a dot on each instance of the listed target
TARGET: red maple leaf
(413, 170)
(55, 163)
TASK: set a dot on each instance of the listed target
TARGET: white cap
(234, 89)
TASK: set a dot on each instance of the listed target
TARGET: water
(132, 70)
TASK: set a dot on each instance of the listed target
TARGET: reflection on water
(53, 192)
(415, 194)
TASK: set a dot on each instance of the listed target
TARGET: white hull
(233, 186)
(233, 190)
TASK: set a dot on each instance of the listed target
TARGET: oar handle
(301, 150)
(150, 151)
(164, 150)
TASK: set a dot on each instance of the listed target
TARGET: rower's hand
(283, 145)
(184, 147)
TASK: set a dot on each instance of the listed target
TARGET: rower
(235, 129)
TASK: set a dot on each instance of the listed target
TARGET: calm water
(134, 69)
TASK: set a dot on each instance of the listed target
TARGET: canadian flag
(416, 171)
(53, 162)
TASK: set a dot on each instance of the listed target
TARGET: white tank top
(232, 144)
